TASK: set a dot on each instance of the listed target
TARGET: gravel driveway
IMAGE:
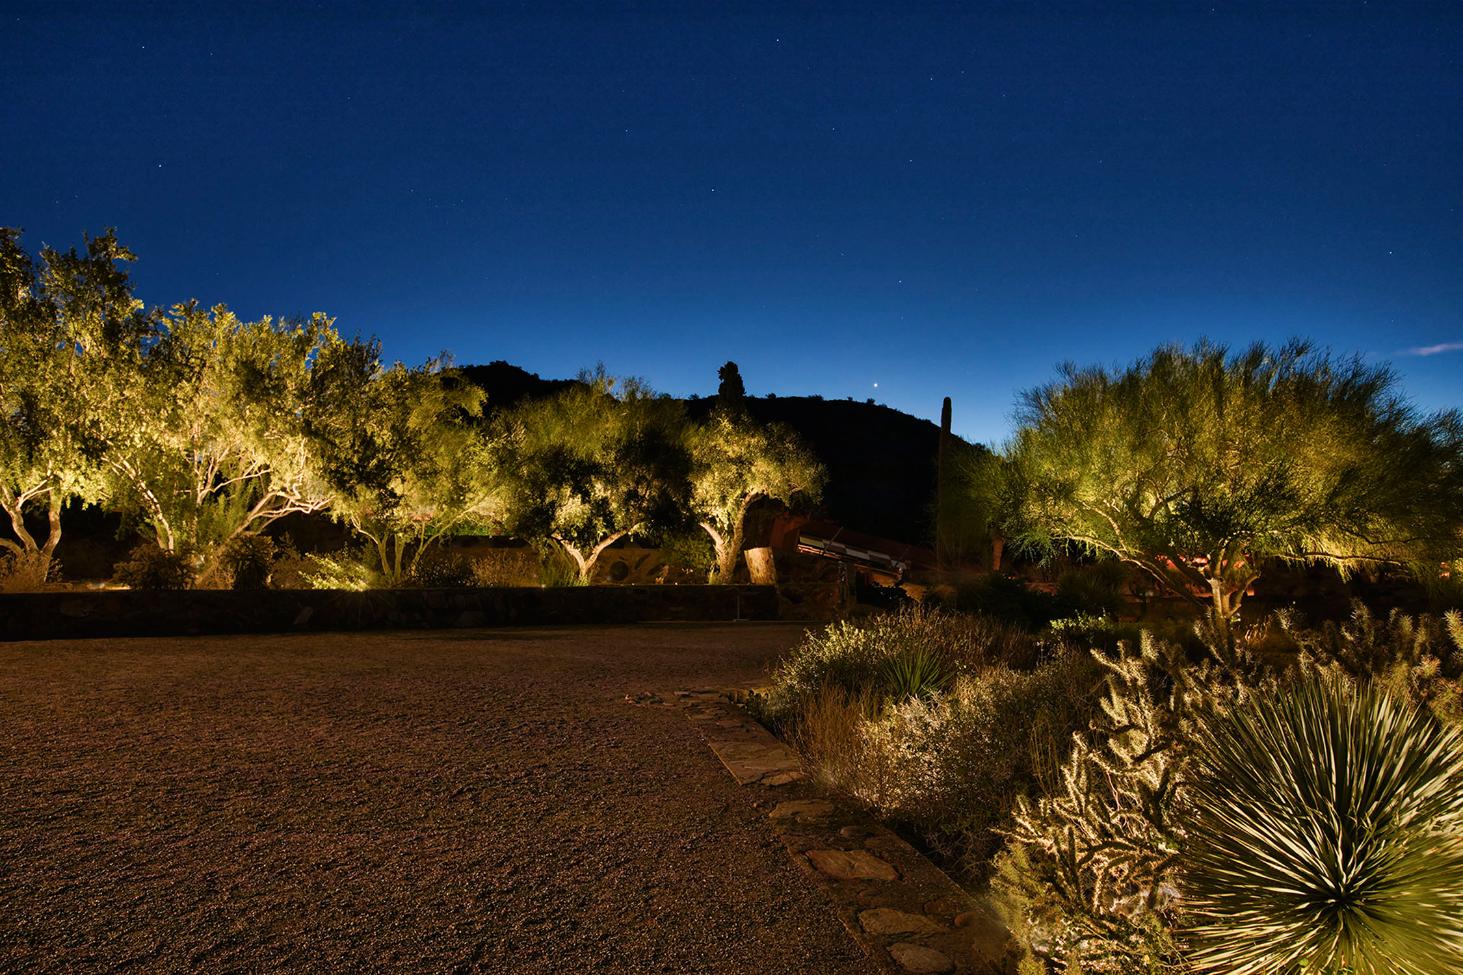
(452, 801)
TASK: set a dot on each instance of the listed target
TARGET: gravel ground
(419, 802)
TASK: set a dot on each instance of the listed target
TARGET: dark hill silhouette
(881, 462)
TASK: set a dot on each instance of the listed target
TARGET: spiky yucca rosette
(1327, 836)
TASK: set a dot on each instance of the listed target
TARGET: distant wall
(57, 615)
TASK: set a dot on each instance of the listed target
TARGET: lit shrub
(1419, 659)
(25, 572)
(150, 567)
(1327, 835)
(342, 570)
(864, 657)
(248, 560)
(948, 766)
(439, 569)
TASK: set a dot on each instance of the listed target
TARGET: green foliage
(349, 570)
(443, 570)
(248, 560)
(946, 765)
(853, 657)
(1327, 832)
(206, 435)
(915, 672)
(1417, 659)
(401, 451)
(600, 461)
(151, 567)
(736, 463)
(68, 325)
(1010, 600)
(1195, 466)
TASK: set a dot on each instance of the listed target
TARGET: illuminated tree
(399, 447)
(67, 328)
(1198, 466)
(601, 460)
(207, 440)
(734, 464)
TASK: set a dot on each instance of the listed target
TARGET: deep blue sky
(937, 199)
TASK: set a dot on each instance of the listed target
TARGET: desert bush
(1010, 600)
(25, 572)
(149, 567)
(346, 569)
(946, 766)
(443, 569)
(506, 567)
(865, 656)
(1417, 658)
(1327, 834)
(248, 561)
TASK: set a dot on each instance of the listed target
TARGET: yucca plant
(915, 672)
(1326, 835)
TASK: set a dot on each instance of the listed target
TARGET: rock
(851, 865)
(783, 778)
(885, 920)
(921, 960)
(802, 810)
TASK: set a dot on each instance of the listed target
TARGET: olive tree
(734, 464)
(1198, 465)
(599, 461)
(402, 451)
(69, 325)
(207, 440)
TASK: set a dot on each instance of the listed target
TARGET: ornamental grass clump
(1326, 835)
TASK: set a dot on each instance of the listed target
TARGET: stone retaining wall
(57, 615)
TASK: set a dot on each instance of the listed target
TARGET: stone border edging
(905, 912)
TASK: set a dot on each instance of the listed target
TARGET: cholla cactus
(1088, 878)
(1327, 835)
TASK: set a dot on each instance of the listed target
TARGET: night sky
(938, 200)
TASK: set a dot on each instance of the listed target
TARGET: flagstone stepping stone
(851, 865)
(920, 960)
(802, 810)
(886, 920)
(749, 761)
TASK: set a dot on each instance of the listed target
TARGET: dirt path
(424, 802)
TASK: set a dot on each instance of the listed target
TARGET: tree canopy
(402, 452)
(206, 437)
(1198, 465)
(592, 464)
(735, 463)
(68, 325)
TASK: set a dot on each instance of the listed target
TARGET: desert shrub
(855, 657)
(1088, 876)
(346, 569)
(1010, 600)
(1326, 835)
(506, 567)
(1094, 590)
(150, 567)
(946, 767)
(247, 561)
(25, 572)
(555, 571)
(443, 569)
(1417, 658)
(1085, 631)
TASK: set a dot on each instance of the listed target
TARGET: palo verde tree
(595, 463)
(1197, 466)
(734, 464)
(68, 326)
(208, 441)
(400, 448)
